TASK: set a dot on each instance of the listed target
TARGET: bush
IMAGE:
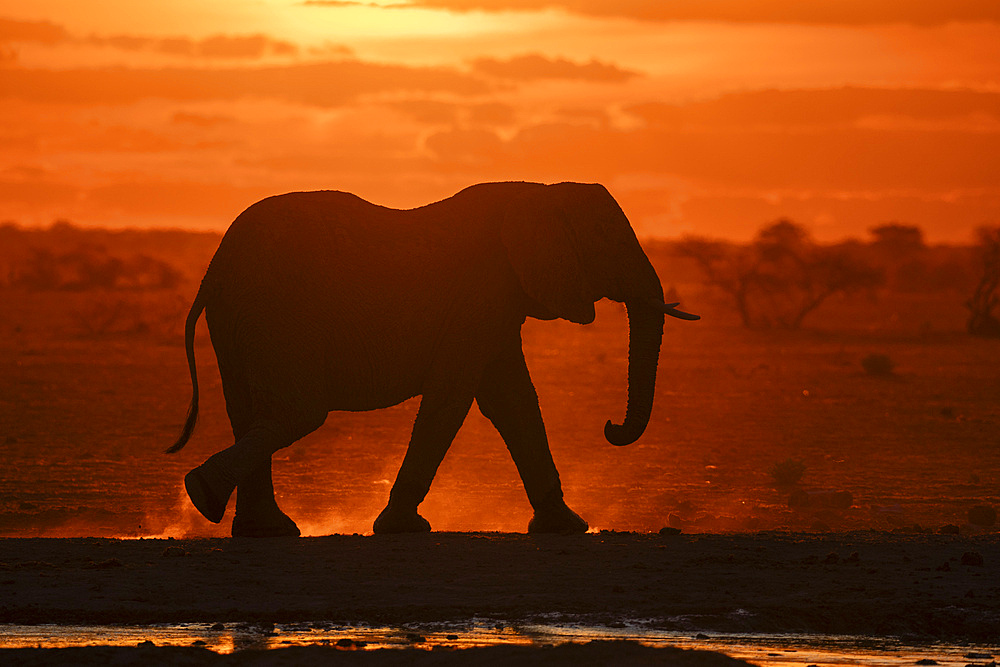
(91, 267)
(878, 364)
(787, 472)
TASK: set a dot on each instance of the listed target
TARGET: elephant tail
(192, 416)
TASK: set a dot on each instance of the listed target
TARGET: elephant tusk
(671, 309)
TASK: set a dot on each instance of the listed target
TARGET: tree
(897, 240)
(982, 321)
(782, 276)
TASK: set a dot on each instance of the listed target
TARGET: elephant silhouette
(322, 301)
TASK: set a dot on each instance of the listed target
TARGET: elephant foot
(392, 520)
(209, 488)
(559, 519)
(274, 525)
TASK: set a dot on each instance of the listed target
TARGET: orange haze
(708, 118)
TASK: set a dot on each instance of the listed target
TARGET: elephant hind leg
(210, 485)
(257, 511)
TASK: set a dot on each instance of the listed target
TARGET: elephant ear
(540, 247)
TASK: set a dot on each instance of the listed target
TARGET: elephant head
(571, 245)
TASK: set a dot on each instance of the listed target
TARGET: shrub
(878, 364)
(787, 472)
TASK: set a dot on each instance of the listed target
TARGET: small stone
(979, 656)
(950, 529)
(146, 644)
(927, 661)
(218, 626)
(667, 531)
(174, 552)
(451, 638)
(415, 638)
(982, 515)
(973, 558)
(199, 642)
(344, 642)
(701, 636)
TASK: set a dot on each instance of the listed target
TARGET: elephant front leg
(507, 398)
(437, 423)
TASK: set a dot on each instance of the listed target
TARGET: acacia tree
(982, 321)
(782, 276)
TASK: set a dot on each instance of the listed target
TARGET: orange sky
(708, 117)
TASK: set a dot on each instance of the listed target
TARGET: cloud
(849, 12)
(534, 66)
(740, 142)
(215, 46)
(318, 84)
(810, 108)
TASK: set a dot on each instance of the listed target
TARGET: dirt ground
(86, 419)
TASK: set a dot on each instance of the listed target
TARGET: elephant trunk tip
(620, 435)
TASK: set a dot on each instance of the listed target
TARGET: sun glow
(316, 23)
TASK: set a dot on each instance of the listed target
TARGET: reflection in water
(783, 650)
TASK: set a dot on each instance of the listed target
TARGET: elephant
(321, 301)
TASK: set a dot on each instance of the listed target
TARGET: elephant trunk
(645, 325)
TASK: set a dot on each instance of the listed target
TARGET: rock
(415, 638)
(950, 529)
(972, 558)
(946, 567)
(344, 642)
(831, 559)
(855, 557)
(927, 661)
(667, 531)
(978, 656)
(451, 638)
(982, 515)
(174, 552)
(199, 642)
(218, 626)
(146, 644)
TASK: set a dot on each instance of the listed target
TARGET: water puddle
(761, 649)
